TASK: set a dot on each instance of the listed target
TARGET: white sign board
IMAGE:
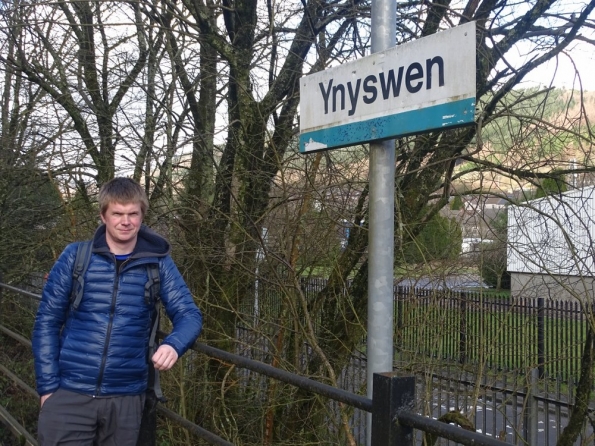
(424, 85)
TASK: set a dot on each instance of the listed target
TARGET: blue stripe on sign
(437, 117)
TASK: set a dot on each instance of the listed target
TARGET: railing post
(400, 297)
(391, 394)
(463, 329)
(541, 336)
(530, 416)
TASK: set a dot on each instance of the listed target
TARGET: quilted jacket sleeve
(50, 318)
(180, 308)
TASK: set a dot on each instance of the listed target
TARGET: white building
(550, 249)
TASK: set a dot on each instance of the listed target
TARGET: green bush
(440, 239)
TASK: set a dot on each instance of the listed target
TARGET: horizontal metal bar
(22, 384)
(448, 431)
(195, 429)
(17, 337)
(16, 428)
(361, 402)
(23, 292)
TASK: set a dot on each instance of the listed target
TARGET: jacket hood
(148, 243)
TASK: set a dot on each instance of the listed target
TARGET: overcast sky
(563, 72)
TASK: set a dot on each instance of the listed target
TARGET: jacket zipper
(109, 327)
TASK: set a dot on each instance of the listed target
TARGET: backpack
(152, 289)
(81, 263)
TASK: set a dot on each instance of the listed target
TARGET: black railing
(525, 332)
(454, 326)
(391, 406)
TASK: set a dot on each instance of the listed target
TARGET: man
(91, 362)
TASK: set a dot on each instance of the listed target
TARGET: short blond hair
(122, 190)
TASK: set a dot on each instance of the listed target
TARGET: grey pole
(381, 235)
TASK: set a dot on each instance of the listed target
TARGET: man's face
(122, 222)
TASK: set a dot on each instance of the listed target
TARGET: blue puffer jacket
(103, 348)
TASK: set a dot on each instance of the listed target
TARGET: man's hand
(43, 398)
(164, 358)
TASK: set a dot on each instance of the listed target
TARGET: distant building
(550, 246)
(476, 217)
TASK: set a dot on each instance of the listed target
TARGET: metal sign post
(381, 235)
(413, 88)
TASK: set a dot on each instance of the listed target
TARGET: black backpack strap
(81, 263)
(152, 289)
(153, 285)
(154, 381)
(154, 329)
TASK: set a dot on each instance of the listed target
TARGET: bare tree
(199, 99)
(67, 51)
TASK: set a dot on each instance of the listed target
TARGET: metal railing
(546, 333)
(391, 406)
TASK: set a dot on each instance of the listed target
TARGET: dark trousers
(69, 418)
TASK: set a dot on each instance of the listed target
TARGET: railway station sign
(415, 87)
